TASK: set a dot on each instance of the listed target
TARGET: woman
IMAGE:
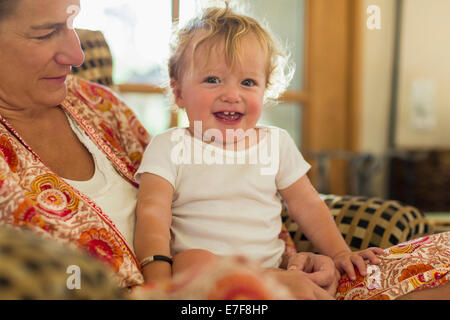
(37, 98)
(69, 149)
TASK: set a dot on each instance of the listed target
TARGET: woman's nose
(70, 52)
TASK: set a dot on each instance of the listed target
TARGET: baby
(212, 188)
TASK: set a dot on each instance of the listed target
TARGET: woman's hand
(346, 261)
(318, 268)
(300, 285)
(195, 259)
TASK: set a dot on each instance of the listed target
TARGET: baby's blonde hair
(225, 25)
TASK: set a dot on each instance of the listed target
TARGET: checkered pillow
(367, 222)
(97, 66)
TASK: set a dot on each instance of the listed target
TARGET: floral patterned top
(33, 196)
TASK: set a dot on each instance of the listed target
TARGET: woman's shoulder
(97, 108)
(93, 94)
(73, 81)
(100, 106)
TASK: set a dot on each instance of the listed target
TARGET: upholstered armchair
(367, 222)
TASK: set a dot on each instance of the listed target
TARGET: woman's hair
(222, 24)
(7, 7)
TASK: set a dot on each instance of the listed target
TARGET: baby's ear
(176, 91)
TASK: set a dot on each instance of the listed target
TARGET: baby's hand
(345, 261)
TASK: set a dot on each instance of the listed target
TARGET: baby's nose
(231, 95)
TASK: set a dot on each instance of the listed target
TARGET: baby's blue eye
(211, 80)
(248, 83)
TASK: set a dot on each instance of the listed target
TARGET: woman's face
(38, 49)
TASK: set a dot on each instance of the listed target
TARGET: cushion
(97, 66)
(368, 222)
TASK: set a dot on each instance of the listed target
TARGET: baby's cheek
(254, 111)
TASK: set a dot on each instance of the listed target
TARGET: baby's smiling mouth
(228, 115)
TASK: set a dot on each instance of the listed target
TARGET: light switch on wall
(422, 109)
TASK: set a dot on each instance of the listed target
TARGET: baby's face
(220, 97)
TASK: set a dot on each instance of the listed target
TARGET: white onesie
(226, 201)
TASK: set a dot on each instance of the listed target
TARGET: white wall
(425, 54)
(376, 77)
(376, 69)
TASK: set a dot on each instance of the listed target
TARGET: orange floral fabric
(411, 266)
(33, 196)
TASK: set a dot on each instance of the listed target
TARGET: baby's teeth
(226, 113)
(232, 113)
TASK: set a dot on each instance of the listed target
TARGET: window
(138, 34)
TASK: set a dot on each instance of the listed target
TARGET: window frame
(294, 96)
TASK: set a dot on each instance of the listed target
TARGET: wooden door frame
(332, 63)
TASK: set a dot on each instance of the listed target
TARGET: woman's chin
(55, 96)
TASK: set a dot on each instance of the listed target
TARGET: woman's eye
(212, 80)
(47, 36)
(248, 82)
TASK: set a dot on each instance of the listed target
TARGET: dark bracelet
(149, 259)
